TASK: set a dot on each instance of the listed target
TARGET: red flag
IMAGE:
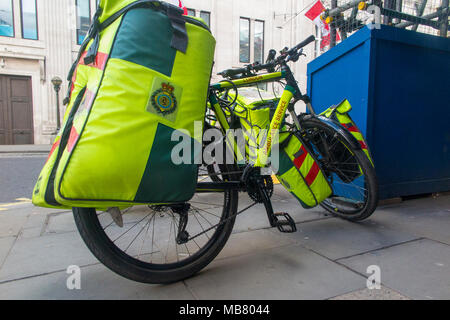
(314, 14)
(183, 7)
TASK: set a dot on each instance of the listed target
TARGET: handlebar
(232, 72)
(302, 44)
(286, 55)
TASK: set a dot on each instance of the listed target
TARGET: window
(259, 41)
(6, 19)
(191, 12)
(206, 16)
(83, 19)
(29, 19)
(244, 40)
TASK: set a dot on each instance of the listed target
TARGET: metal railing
(348, 16)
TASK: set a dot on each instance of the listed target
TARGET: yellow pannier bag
(141, 79)
(255, 109)
(341, 114)
(300, 173)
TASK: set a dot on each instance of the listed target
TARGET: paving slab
(289, 272)
(37, 219)
(418, 269)
(256, 217)
(61, 223)
(372, 294)
(10, 225)
(251, 242)
(427, 217)
(5, 246)
(36, 256)
(336, 238)
(97, 282)
(25, 208)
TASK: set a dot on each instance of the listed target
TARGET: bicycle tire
(366, 167)
(103, 248)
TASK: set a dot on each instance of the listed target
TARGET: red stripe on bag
(350, 127)
(363, 144)
(299, 161)
(72, 139)
(312, 174)
(353, 129)
(55, 145)
(99, 62)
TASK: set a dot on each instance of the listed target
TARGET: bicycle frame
(289, 97)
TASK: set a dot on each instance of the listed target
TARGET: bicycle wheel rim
(350, 194)
(178, 260)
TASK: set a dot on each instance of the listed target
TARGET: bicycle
(168, 243)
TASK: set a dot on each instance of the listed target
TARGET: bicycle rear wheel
(140, 243)
(349, 171)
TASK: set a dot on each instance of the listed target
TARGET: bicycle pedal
(285, 223)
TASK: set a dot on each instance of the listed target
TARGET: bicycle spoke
(207, 212)
(139, 233)
(150, 232)
(130, 229)
(145, 236)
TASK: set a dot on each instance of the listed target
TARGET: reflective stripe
(99, 61)
(72, 139)
(350, 127)
(312, 174)
(301, 158)
(55, 145)
(313, 171)
(363, 144)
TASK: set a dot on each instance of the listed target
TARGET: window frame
(209, 17)
(263, 40)
(90, 19)
(22, 19)
(249, 39)
(13, 21)
(193, 10)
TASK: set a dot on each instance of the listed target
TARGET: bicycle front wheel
(349, 171)
(140, 243)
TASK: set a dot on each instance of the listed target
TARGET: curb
(24, 149)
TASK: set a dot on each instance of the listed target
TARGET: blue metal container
(398, 84)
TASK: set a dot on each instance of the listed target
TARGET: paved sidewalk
(326, 259)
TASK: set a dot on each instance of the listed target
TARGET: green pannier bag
(142, 74)
(340, 114)
(300, 173)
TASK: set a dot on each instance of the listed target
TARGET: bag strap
(179, 38)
